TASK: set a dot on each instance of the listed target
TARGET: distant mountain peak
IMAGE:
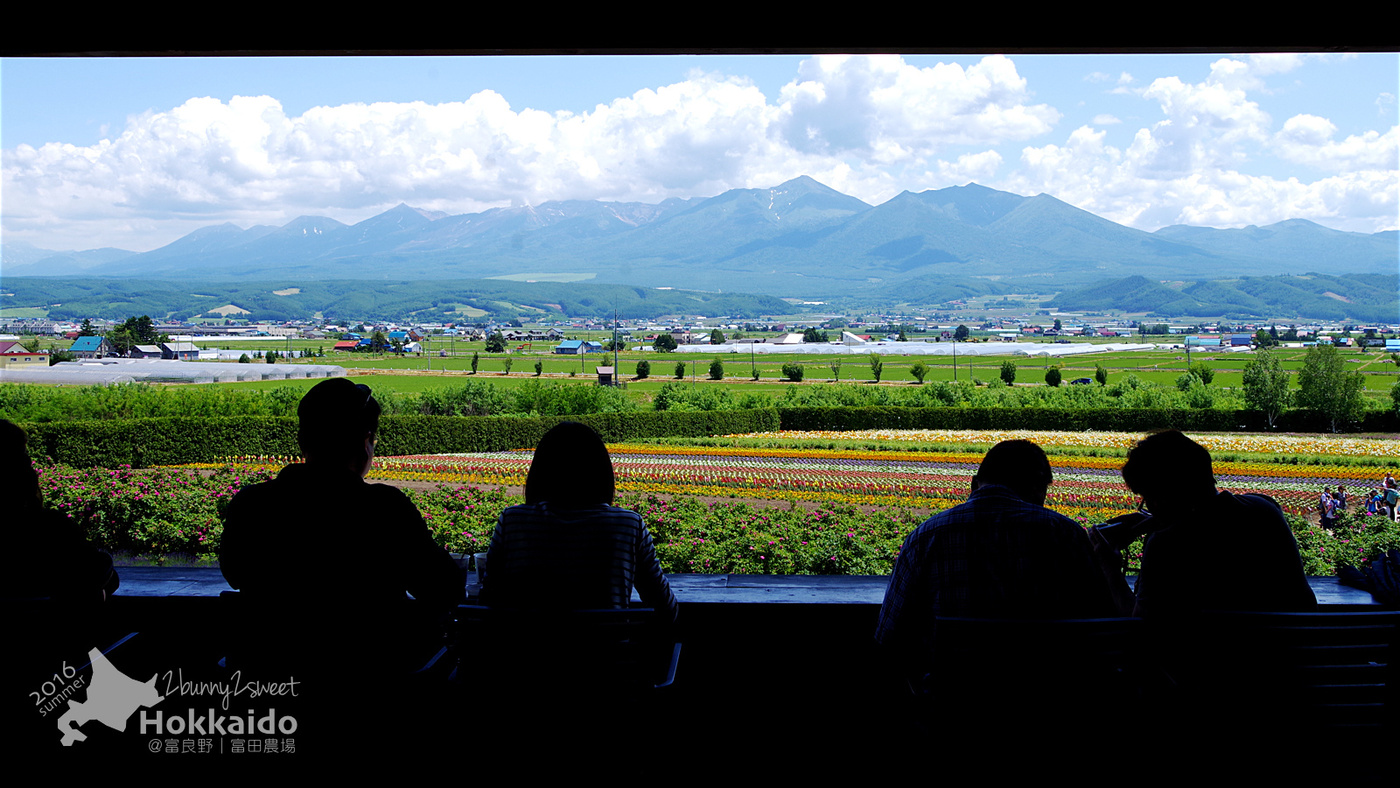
(802, 182)
(797, 235)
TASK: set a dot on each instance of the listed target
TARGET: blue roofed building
(91, 347)
(574, 347)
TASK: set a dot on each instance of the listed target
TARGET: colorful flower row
(928, 480)
(1279, 444)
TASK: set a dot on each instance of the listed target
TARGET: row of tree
(1325, 386)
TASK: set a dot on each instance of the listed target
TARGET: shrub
(680, 370)
(539, 368)
(716, 370)
(877, 366)
(1053, 376)
(1008, 372)
(243, 359)
(919, 370)
(793, 372)
(1326, 387)
(643, 369)
(755, 377)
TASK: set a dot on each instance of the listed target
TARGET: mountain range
(800, 238)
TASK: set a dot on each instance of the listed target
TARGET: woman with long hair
(567, 547)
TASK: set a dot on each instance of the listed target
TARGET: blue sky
(137, 152)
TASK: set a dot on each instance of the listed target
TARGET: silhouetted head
(571, 469)
(20, 479)
(1168, 470)
(1020, 465)
(338, 424)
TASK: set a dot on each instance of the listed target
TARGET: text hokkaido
(209, 723)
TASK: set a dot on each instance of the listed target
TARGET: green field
(430, 369)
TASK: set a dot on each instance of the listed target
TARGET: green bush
(643, 369)
(793, 372)
(974, 418)
(142, 443)
(877, 366)
(146, 513)
(716, 370)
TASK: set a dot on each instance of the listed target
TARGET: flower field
(712, 508)
(1280, 444)
(861, 504)
(1084, 486)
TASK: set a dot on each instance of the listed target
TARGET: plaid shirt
(573, 560)
(995, 556)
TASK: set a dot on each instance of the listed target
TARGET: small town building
(574, 347)
(13, 355)
(180, 351)
(91, 347)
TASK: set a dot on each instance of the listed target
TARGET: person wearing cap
(319, 532)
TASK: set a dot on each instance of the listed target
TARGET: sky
(135, 153)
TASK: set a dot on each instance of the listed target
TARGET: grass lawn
(430, 370)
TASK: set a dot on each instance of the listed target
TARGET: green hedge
(142, 443)
(172, 441)
(1072, 419)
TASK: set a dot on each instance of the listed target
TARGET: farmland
(779, 504)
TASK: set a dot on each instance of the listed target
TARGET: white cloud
(1275, 63)
(857, 121)
(1129, 187)
(1307, 139)
(868, 126)
(979, 167)
(883, 110)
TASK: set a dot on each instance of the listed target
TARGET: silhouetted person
(52, 592)
(567, 547)
(1210, 550)
(1001, 554)
(50, 557)
(1196, 530)
(325, 560)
